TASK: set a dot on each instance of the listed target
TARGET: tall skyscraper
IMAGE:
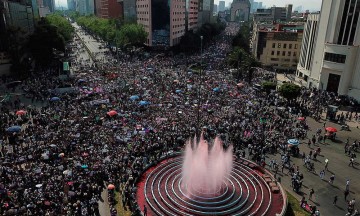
(129, 10)
(108, 9)
(19, 14)
(205, 13)
(71, 5)
(308, 42)
(164, 20)
(240, 10)
(215, 8)
(335, 64)
(50, 4)
(191, 15)
(85, 7)
(221, 6)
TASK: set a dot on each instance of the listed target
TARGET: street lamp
(199, 87)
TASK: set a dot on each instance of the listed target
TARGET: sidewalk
(280, 77)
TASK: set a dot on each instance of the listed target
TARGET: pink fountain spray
(205, 171)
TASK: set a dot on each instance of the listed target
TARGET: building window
(295, 46)
(338, 58)
(294, 54)
(290, 46)
(289, 53)
(284, 46)
(273, 45)
(274, 59)
(279, 45)
(278, 53)
(283, 53)
(272, 52)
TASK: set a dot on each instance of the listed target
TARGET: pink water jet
(206, 166)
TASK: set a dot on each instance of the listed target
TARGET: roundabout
(248, 190)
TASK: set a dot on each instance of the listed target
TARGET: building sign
(66, 66)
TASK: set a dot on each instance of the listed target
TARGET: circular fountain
(207, 181)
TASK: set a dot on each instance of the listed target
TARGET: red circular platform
(249, 190)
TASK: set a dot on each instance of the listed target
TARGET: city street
(338, 165)
(92, 44)
(108, 132)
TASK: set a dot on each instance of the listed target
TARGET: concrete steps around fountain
(252, 195)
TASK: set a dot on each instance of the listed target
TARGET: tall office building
(240, 10)
(307, 47)
(166, 21)
(129, 10)
(335, 64)
(85, 7)
(206, 8)
(191, 15)
(108, 9)
(19, 14)
(251, 4)
(50, 4)
(215, 8)
(221, 6)
(273, 14)
(71, 5)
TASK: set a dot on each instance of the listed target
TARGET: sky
(62, 3)
(307, 4)
(312, 5)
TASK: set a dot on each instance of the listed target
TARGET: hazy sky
(307, 4)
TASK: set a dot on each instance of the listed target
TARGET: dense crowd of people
(124, 115)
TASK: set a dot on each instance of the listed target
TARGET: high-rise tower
(335, 64)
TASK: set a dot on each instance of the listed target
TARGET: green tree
(189, 42)
(240, 58)
(74, 15)
(210, 30)
(42, 43)
(242, 38)
(17, 48)
(131, 34)
(290, 91)
(107, 29)
(64, 27)
(268, 86)
(243, 61)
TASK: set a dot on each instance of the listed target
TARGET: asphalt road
(93, 46)
(338, 165)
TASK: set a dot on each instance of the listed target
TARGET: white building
(308, 46)
(332, 62)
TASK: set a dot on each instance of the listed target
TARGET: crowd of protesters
(125, 114)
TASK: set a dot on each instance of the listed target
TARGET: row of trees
(191, 40)
(113, 31)
(50, 33)
(64, 28)
(241, 58)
